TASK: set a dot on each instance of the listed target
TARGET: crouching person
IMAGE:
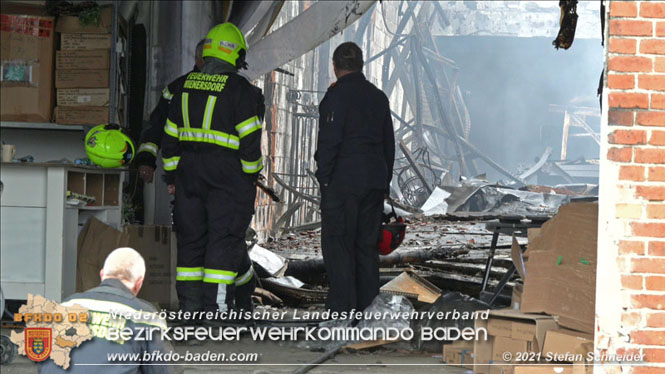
(113, 306)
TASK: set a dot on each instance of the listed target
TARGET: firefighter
(151, 137)
(212, 159)
(122, 278)
(355, 155)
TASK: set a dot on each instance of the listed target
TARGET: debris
(413, 286)
(289, 281)
(518, 260)
(267, 298)
(268, 261)
(436, 203)
(293, 296)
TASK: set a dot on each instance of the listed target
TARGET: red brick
(656, 319)
(657, 138)
(648, 337)
(653, 193)
(657, 174)
(631, 28)
(649, 265)
(652, 47)
(629, 100)
(652, 10)
(650, 156)
(630, 63)
(651, 82)
(631, 173)
(621, 45)
(620, 154)
(621, 82)
(657, 101)
(631, 319)
(627, 247)
(660, 29)
(654, 355)
(622, 117)
(657, 248)
(623, 9)
(628, 137)
(655, 283)
(656, 211)
(651, 118)
(631, 282)
(659, 65)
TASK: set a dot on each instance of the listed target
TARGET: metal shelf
(40, 126)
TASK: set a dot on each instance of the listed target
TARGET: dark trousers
(214, 207)
(349, 236)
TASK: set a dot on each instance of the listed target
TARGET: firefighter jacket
(151, 137)
(112, 305)
(219, 113)
(356, 144)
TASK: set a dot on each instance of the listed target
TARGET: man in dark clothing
(122, 278)
(212, 157)
(151, 137)
(355, 156)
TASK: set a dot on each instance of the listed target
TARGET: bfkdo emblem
(38, 343)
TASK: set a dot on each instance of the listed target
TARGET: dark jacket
(151, 137)
(356, 144)
(111, 295)
(215, 113)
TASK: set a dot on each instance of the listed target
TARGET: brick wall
(632, 197)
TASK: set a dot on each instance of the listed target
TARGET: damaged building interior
(500, 114)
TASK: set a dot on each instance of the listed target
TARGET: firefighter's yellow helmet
(107, 146)
(226, 42)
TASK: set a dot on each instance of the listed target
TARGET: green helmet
(108, 147)
(226, 42)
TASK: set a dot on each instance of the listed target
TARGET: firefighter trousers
(349, 235)
(214, 207)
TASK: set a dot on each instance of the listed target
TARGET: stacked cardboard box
(27, 63)
(559, 280)
(82, 68)
(459, 353)
(511, 335)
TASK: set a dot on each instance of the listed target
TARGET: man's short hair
(198, 52)
(348, 56)
(125, 264)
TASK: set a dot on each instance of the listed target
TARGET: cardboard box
(502, 344)
(26, 72)
(499, 368)
(159, 252)
(155, 243)
(85, 59)
(81, 115)
(72, 24)
(81, 78)
(562, 261)
(83, 96)
(511, 331)
(78, 41)
(459, 353)
(568, 343)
